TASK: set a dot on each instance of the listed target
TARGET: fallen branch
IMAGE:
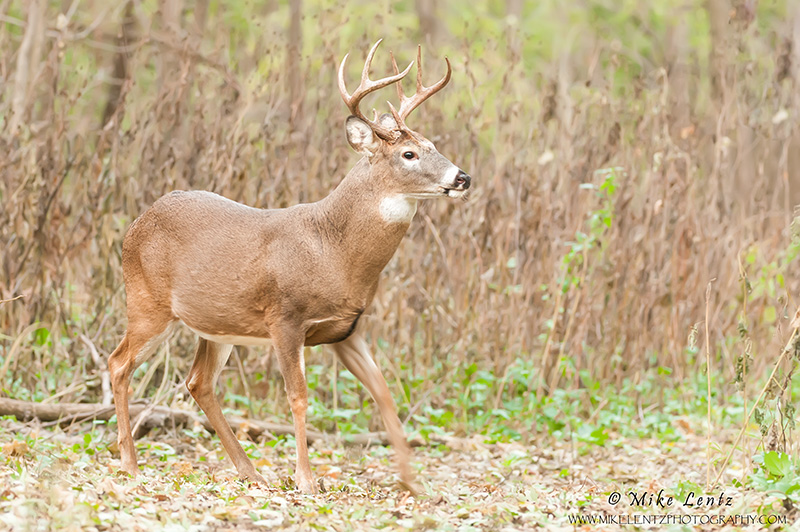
(160, 416)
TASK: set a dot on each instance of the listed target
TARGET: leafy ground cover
(53, 478)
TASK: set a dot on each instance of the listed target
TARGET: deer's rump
(202, 257)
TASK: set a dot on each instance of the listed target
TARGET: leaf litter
(49, 481)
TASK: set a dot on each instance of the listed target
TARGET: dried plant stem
(546, 350)
(17, 345)
(788, 348)
(100, 365)
(148, 376)
(709, 428)
(743, 276)
(335, 383)
(243, 379)
(157, 398)
(502, 386)
(570, 318)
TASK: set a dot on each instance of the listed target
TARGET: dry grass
(706, 176)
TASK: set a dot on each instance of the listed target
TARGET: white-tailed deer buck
(291, 277)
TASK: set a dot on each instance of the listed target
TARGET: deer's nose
(462, 180)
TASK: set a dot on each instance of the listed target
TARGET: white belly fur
(233, 340)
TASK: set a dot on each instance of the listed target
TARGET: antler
(367, 86)
(423, 93)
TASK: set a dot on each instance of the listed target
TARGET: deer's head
(406, 163)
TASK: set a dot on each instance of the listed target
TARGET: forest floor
(50, 480)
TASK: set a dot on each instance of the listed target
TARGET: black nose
(462, 180)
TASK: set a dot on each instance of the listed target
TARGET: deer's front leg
(289, 350)
(354, 354)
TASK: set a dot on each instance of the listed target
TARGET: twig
(12, 299)
(44, 215)
(17, 343)
(77, 386)
(144, 382)
(243, 379)
(436, 237)
(99, 363)
(197, 56)
(158, 397)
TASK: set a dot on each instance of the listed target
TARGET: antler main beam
(367, 86)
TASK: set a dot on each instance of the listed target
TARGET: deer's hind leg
(209, 359)
(142, 338)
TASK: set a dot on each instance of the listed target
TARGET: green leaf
(41, 336)
(777, 463)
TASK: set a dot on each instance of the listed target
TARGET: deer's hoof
(410, 486)
(253, 477)
(306, 485)
(129, 471)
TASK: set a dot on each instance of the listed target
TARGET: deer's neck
(365, 222)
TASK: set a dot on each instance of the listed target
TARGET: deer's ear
(361, 137)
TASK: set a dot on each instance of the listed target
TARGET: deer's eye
(410, 155)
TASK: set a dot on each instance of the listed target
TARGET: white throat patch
(398, 209)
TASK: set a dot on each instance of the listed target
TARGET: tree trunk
(121, 71)
(794, 148)
(170, 26)
(679, 78)
(514, 14)
(294, 77)
(28, 59)
(718, 14)
(428, 21)
(200, 17)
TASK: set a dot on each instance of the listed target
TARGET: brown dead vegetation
(158, 101)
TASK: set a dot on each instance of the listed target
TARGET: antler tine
(398, 86)
(419, 68)
(365, 72)
(422, 93)
(367, 86)
(340, 79)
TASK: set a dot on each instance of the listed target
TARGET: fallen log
(163, 416)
